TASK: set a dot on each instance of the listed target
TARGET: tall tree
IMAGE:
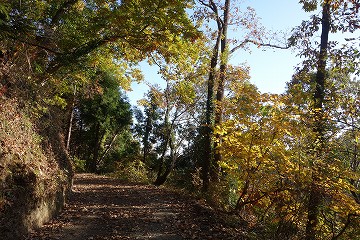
(319, 145)
(220, 12)
(208, 149)
(103, 116)
(214, 110)
(181, 73)
(335, 16)
(224, 51)
(150, 117)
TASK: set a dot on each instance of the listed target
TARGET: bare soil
(103, 208)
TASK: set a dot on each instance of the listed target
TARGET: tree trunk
(162, 161)
(319, 127)
(167, 136)
(148, 129)
(100, 161)
(208, 150)
(96, 148)
(71, 110)
(220, 90)
(162, 177)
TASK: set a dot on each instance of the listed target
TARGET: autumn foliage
(286, 164)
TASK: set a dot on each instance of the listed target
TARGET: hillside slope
(35, 174)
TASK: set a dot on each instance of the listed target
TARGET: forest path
(103, 208)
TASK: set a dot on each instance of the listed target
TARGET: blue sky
(269, 69)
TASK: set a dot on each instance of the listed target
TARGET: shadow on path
(102, 208)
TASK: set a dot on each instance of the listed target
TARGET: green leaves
(309, 5)
(4, 13)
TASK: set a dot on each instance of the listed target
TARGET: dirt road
(102, 208)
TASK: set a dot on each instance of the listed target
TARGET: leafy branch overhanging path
(102, 208)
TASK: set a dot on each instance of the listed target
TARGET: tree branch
(214, 8)
(204, 3)
(246, 41)
(73, 56)
(348, 221)
(63, 8)
(34, 44)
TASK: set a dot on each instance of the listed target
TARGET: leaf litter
(103, 208)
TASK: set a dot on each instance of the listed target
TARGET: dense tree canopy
(287, 164)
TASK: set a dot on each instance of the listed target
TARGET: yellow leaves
(220, 130)
(137, 75)
(228, 166)
(344, 204)
(317, 110)
(143, 102)
(185, 91)
(269, 144)
(79, 6)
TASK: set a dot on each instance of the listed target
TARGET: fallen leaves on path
(102, 208)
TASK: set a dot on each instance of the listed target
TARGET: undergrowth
(134, 171)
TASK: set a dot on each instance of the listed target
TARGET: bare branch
(246, 41)
(214, 8)
(204, 3)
